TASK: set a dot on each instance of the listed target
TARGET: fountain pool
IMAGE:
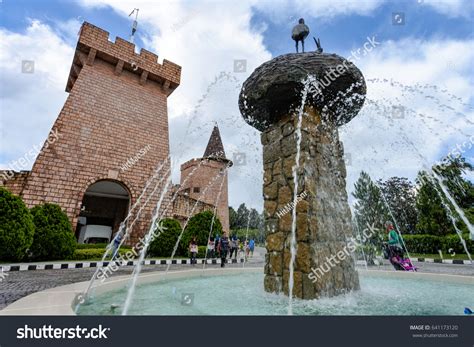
(382, 293)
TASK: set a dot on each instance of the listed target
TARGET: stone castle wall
(114, 109)
(14, 181)
(183, 205)
(200, 173)
(323, 223)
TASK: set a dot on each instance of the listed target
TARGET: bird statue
(299, 33)
(319, 49)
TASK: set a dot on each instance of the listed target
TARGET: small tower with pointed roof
(205, 178)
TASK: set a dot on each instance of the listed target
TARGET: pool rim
(62, 300)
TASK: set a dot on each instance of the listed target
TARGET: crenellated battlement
(94, 43)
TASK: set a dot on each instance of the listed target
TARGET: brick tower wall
(13, 181)
(117, 106)
(209, 171)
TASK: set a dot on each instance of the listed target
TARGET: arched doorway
(104, 207)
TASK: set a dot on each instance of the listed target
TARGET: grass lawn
(461, 256)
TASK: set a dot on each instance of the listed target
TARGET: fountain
(304, 170)
(299, 240)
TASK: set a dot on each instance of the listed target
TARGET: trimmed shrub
(163, 244)
(92, 253)
(53, 238)
(430, 244)
(16, 227)
(199, 226)
(201, 251)
(97, 245)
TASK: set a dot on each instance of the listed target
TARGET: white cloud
(282, 10)
(30, 101)
(205, 40)
(451, 8)
(431, 82)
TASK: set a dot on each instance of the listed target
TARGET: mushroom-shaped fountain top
(274, 89)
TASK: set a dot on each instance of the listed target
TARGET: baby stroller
(396, 257)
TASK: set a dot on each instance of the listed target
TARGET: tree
(199, 226)
(399, 193)
(163, 244)
(452, 171)
(434, 207)
(16, 227)
(254, 219)
(370, 211)
(53, 238)
(233, 218)
(242, 216)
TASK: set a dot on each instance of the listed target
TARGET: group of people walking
(223, 247)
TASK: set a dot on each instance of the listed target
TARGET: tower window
(196, 190)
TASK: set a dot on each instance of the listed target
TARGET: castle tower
(209, 171)
(112, 133)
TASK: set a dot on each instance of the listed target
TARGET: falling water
(446, 194)
(439, 180)
(191, 213)
(157, 217)
(394, 220)
(124, 222)
(423, 91)
(246, 239)
(307, 83)
(382, 109)
(137, 269)
(362, 248)
(212, 221)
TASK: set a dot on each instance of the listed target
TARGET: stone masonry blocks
(323, 222)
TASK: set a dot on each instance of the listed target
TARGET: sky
(419, 74)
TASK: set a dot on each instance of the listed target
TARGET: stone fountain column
(269, 101)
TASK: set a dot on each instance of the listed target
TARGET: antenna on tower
(135, 23)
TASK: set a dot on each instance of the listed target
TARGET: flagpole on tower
(135, 24)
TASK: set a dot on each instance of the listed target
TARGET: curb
(82, 265)
(429, 260)
(442, 261)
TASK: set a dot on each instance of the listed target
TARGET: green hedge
(92, 253)
(53, 238)
(97, 253)
(16, 227)
(97, 245)
(430, 244)
(201, 251)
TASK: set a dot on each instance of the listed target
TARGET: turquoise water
(243, 294)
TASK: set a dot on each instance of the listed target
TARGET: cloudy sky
(420, 74)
